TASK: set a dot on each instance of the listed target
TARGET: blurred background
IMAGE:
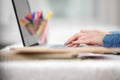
(69, 17)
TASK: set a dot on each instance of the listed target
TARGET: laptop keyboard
(58, 46)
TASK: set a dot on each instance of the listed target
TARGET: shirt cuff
(107, 41)
(111, 40)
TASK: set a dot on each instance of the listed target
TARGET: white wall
(107, 11)
(9, 32)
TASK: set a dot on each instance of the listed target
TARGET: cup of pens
(36, 24)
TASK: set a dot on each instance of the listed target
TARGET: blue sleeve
(112, 40)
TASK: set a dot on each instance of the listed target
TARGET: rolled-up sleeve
(112, 40)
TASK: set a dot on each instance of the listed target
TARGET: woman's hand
(89, 37)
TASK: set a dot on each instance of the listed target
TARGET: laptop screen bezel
(19, 26)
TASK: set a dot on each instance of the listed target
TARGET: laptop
(21, 7)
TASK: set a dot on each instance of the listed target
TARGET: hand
(89, 37)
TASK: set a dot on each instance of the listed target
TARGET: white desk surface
(61, 70)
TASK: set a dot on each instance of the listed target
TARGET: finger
(81, 42)
(76, 37)
(73, 38)
(69, 45)
(74, 46)
(83, 39)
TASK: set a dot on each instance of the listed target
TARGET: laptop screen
(21, 8)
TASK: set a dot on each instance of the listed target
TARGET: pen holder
(42, 32)
(35, 25)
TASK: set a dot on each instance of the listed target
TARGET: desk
(45, 53)
(61, 70)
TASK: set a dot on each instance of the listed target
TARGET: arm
(95, 37)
